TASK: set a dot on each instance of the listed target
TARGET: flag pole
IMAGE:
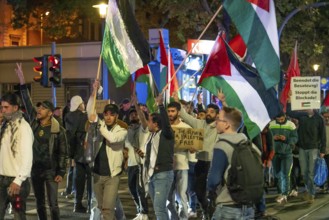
(201, 35)
(97, 77)
(193, 98)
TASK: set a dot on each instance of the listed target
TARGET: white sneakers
(293, 193)
(281, 199)
(141, 216)
(192, 214)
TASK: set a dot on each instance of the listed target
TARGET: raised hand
(159, 99)
(175, 96)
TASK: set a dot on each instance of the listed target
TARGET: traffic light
(56, 70)
(42, 69)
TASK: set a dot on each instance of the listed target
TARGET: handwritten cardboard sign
(186, 138)
(100, 104)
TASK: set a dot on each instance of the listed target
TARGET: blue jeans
(178, 188)
(307, 161)
(159, 187)
(225, 212)
(282, 165)
(191, 186)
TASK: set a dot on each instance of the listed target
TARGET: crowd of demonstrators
(176, 180)
(49, 151)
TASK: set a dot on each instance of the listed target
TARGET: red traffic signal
(42, 69)
(56, 70)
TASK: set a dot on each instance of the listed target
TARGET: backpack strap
(233, 144)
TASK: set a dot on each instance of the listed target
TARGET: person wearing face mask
(311, 143)
(16, 155)
(285, 137)
(205, 155)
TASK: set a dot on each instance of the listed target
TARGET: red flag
(167, 69)
(326, 100)
(238, 46)
(293, 70)
(174, 82)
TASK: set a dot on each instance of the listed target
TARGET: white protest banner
(305, 93)
(187, 138)
(100, 104)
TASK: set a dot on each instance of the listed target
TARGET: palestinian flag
(167, 70)
(144, 75)
(258, 28)
(242, 87)
(124, 47)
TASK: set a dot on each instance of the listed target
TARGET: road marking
(307, 214)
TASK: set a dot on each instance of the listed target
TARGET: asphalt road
(295, 209)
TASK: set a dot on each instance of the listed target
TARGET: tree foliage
(187, 19)
(63, 17)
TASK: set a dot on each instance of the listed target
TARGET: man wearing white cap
(75, 122)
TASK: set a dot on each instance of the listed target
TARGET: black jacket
(57, 141)
(311, 130)
(75, 123)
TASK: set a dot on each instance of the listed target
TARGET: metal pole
(105, 78)
(53, 88)
(41, 30)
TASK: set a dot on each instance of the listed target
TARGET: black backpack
(245, 180)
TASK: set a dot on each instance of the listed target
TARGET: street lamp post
(102, 8)
(315, 68)
(41, 26)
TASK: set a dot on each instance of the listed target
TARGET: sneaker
(192, 214)
(10, 209)
(70, 196)
(143, 217)
(310, 199)
(281, 199)
(138, 217)
(79, 208)
(305, 196)
(293, 193)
